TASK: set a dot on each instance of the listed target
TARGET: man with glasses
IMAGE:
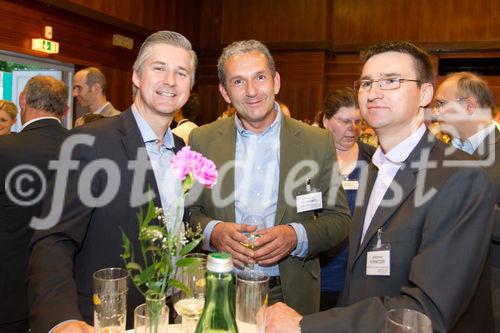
(421, 239)
(463, 105)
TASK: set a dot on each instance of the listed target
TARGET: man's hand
(281, 318)
(227, 237)
(276, 243)
(74, 327)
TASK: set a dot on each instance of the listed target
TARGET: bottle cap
(220, 262)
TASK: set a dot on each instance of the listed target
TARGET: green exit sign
(44, 45)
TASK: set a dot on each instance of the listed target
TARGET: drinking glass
(110, 300)
(252, 289)
(259, 223)
(146, 322)
(407, 321)
(189, 303)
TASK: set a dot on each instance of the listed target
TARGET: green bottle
(218, 313)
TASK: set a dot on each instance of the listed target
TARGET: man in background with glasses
(463, 106)
(421, 239)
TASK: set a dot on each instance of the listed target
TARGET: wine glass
(259, 223)
(407, 321)
(189, 303)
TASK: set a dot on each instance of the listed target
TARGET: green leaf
(126, 245)
(179, 285)
(185, 262)
(190, 246)
(131, 266)
(146, 275)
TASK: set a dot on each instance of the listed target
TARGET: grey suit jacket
(299, 142)
(439, 249)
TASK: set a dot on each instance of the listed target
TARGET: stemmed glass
(407, 321)
(259, 223)
(189, 303)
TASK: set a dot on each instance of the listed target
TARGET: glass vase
(152, 316)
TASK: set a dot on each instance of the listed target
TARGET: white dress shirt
(388, 165)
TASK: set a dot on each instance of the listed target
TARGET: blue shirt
(160, 155)
(256, 181)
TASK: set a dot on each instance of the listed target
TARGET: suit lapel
(226, 151)
(132, 140)
(359, 214)
(290, 147)
(401, 187)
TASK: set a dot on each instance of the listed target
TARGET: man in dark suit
(24, 172)
(126, 152)
(463, 107)
(421, 239)
(271, 152)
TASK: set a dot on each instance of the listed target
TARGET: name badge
(350, 184)
(309, 201)
(378, 262)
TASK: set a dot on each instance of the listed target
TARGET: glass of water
(110, 300)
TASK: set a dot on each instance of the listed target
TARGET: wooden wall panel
(83, 42)
(150, 15)
(302, 80)
(277, 21)
(445, 24)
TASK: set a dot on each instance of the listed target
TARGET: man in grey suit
(421, 239)
(89, 90)
(270, 152)
(463, 106)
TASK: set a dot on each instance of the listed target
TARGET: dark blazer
(439, 249)
(35, 145)
(299, 142)
(86, 239)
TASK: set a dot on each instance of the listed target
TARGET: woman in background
(8, 113)
(342, 119)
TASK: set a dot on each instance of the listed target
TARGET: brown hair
(469, 84)
(344, 97)
(422, 59)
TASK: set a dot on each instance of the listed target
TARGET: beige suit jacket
(300, 276)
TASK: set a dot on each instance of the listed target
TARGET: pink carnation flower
(202, 169)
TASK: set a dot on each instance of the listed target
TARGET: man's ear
(471, 104)
(96, 87)
(136, 79)
(224, 93)
(277, 83)
(22, 100)
(426, 94)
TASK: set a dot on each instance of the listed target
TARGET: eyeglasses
(348, 122)
(383, 84)
(440, 103)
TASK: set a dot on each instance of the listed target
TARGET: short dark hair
(191, 109)
(470, 84)
(422, 59)
(344, 97)
(46, 93)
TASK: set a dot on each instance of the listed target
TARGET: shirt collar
(99, 111)
(37, 119)
(148, 135)
(276, 124)
(399, 153)
(479, 137)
